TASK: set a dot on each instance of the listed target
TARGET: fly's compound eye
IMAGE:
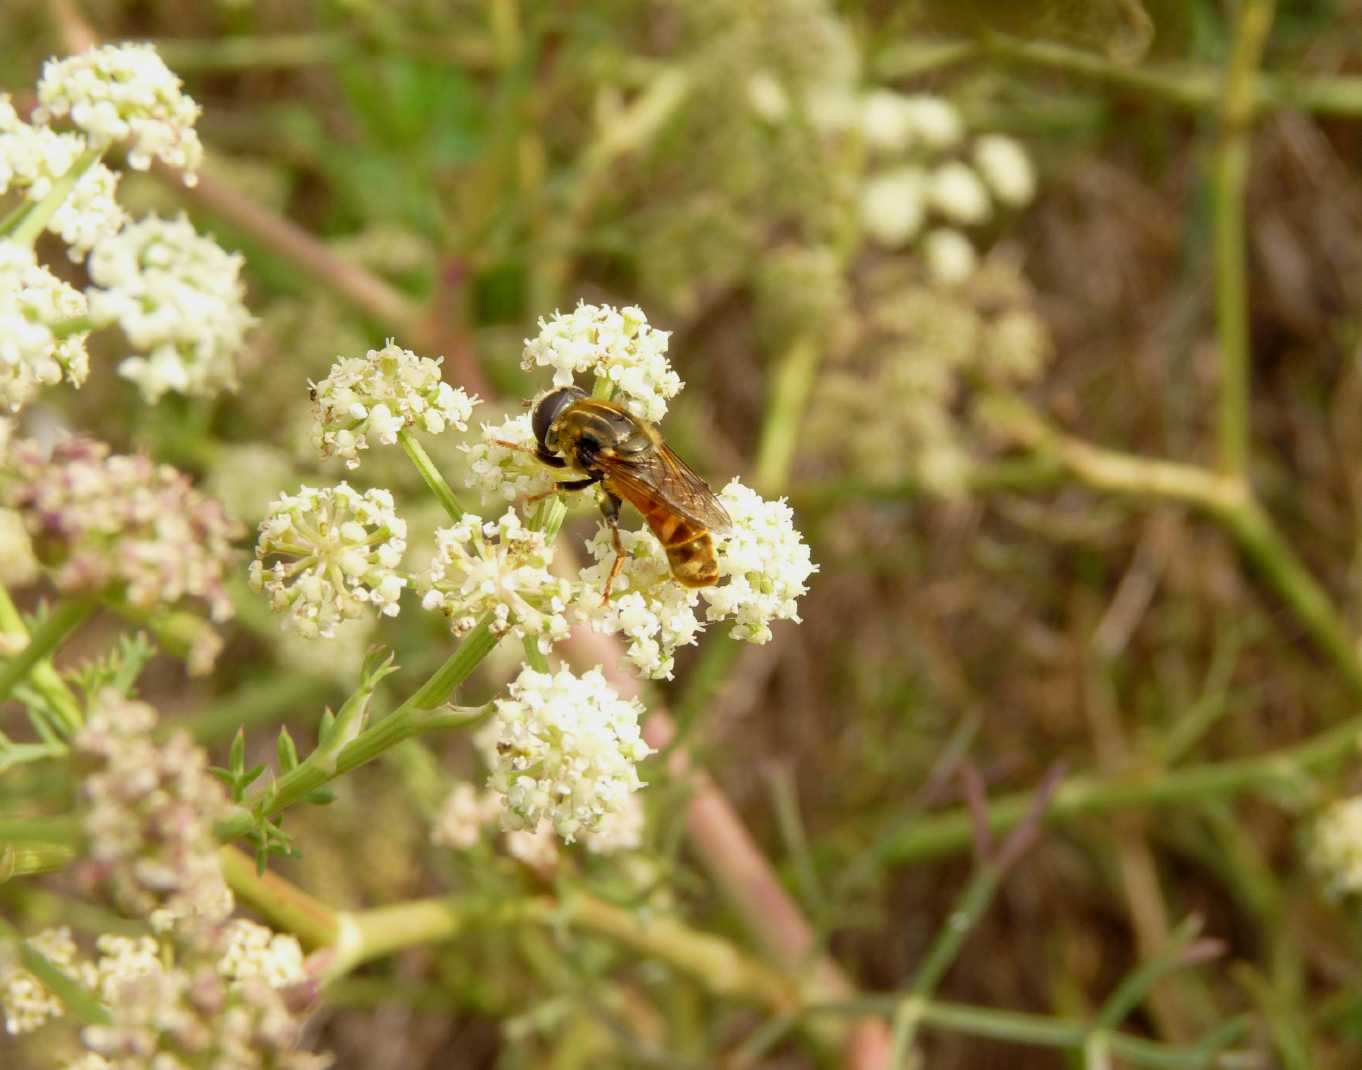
(549, 408)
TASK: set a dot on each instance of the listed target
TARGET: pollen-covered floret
(117, 93)
(371, 398)
(179, 298)
(616, 345)
(652, 612)
(38, 343)
(336, 551)
(104, 522)
(499, 567)
(564, 748)
(764, 565)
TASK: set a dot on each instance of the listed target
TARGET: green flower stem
(27, 229)
(419, 713)
(64, 619)
(1225, 498)
(791, 387)
(1044, 1031)
(1231, 282)
(1197, 89)
(431, 474)
(1287, 769)
(282, 903)
(43, 678)
(32, 858)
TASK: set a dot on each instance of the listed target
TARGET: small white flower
(33, 157)
(465, 812)
(565, 749)
(957, 193)
(764, 565)
(949, 255)
(617, 345)
(90, 212)
(1006, 168)
(123, 959)
(34, 350)
(893, 206)
(888, 120)
(650, 609)
(337, 551)
(537, 849)
(124, 92)
(371, 398)
(499, 567)
(497, 472)
(619, 830)
(179, 298)
(26, 1002)
(767, 96)
(1336, 847)
(936, 122)
(831, 108)
(256, 953)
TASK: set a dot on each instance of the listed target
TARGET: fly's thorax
(587, 431)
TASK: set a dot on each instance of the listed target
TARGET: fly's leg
(559, 488)
(539, 453)
(610, 509)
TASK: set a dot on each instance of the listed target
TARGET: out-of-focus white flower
(499, 567)
(90, 212)
(1336, 847)
(888, 120)
(123, 93)
(764, 565)
(936, 122)
(179, 298)
(565, 749)
(535, 848)
(337, 551)
(617, 345)
(35, 350)
(26, 1002)
(18, 566)
(1006, 168)
(949, 256)
(375, 396)
(498, 472)
(831, 108)
(957, 193)
(650, 609)
(465, 812)
(110, 521)
(768, 97)
(253, 951)
(123, 959)
(893, 206)
(619, 830)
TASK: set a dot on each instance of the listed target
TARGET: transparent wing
(659, 475)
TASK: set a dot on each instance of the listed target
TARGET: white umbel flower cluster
(616, 345)
(508, 474)
(1336, 847)
(764, 567)
(124, 93)
(371, 398)
(463, 815)
(336, 552)
(24, 1000)
(179, 298)
(253, 951)
(32, 158)
(565, 749)
(34, 350)
(500, 567)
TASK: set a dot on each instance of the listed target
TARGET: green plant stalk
(64, 619)
(791, 388)
(282, 903)
(27, 229)
(419, 713)
(1231, 281)
(951, 831)
(43, 678)
(431, 474)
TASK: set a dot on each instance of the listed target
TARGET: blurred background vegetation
(987, 587)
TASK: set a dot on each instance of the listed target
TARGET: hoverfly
(630, 462)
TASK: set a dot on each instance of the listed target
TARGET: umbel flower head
(123, 93)
(1336, 847)
(35, 350)
(499, 473)
(563, 748)
(371, 398)
(336, 551)
(149, 814)
(616, 345)
(179, 298)
(107, 522)
(499, 567)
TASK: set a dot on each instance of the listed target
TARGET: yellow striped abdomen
(689, 546)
